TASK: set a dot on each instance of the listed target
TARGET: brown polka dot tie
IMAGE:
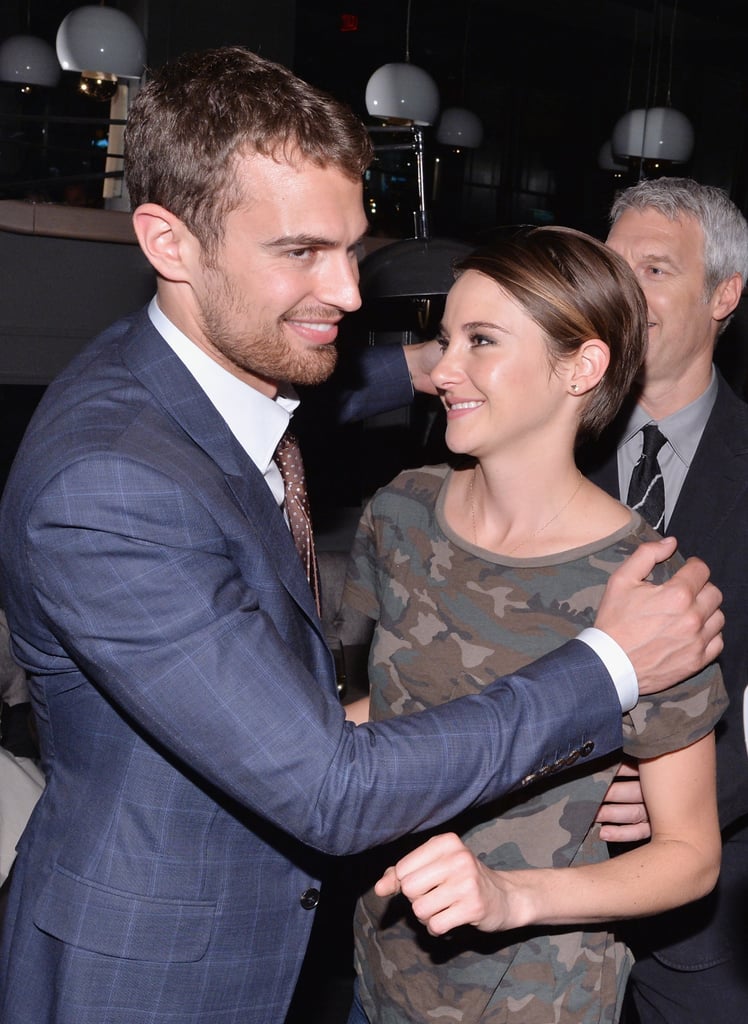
(288, 460)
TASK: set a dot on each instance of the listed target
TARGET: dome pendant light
(459, 128)
(28, 60)
(101, 42)
(660, 133)
(401, 93)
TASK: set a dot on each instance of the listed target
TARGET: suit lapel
(717, 480)
(159, 370)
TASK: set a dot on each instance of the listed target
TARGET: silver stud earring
(575, 388)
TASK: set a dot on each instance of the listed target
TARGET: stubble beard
(263, 349)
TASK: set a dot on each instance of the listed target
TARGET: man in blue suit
(197, 760)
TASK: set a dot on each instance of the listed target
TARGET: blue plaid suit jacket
(198, 764)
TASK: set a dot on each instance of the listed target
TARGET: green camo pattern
(452, 618)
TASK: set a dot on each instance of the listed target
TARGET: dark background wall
(548, 81)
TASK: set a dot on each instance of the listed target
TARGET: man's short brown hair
(196, 114)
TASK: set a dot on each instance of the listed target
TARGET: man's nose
(339, 286)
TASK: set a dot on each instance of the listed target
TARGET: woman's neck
(530, 512)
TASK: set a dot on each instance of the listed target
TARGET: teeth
(314, 326)
(466, 405)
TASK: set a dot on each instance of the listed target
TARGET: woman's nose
(447, 370)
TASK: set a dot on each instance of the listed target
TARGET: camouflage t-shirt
(451, 619)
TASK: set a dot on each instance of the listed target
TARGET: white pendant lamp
(28, 60)
(459, 128)
(402, 93)
(101, 40)
(659, 133)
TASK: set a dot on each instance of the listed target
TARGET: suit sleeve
(372, 381)
(148, 605)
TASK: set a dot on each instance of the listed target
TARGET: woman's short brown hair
(575, 288)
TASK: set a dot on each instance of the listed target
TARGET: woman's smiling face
(495, 376)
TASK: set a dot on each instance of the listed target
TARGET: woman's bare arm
(448, 886)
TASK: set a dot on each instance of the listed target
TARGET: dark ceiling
(552, 78)
(464, 41)
(548, 79)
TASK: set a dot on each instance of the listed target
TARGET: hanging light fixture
(101, 42)
(28, 60)
(400, 92)
(459, 128)
(659, 134)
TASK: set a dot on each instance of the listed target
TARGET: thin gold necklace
(532, 536)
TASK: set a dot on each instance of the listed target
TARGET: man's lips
(315, 331)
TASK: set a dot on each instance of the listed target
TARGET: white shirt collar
(256, 421)
(683, 428)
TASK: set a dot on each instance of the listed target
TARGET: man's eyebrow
(655, 257)
(308, 242)
(299, 242)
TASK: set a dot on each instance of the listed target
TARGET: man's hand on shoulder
(671, 630)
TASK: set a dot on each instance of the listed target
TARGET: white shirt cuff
(617, 663)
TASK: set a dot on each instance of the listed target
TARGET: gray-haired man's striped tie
(647, 489)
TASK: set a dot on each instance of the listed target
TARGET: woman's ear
(588, 366)
(167, 243)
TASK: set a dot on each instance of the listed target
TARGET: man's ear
(726, 296)
(588, 365)
(167, 243)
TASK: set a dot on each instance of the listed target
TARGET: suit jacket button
(586, 749)
(309, 899)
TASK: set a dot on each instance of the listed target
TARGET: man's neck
(663, 398)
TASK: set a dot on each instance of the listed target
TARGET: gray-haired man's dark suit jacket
(710, 520)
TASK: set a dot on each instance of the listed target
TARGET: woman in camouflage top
(474, 570)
